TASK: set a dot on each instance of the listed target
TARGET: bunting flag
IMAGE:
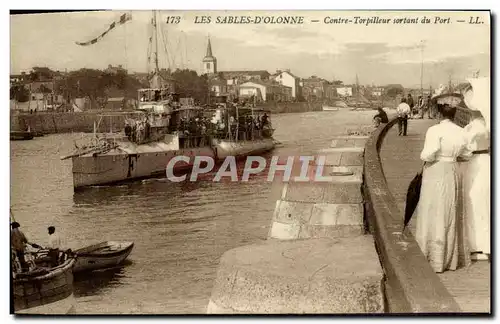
(123, 19)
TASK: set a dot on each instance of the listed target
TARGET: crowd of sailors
(156, 95)
(195, 130)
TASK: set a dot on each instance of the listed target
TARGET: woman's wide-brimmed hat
(481, 97)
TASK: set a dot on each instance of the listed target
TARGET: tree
(38, 73)
(44, 89)
(19, 92)
(394, 90)
(190, 84)
(96, 84)
(89, 83)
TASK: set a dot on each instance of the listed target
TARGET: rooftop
(249, 72)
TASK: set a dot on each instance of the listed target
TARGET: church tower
(209, 61)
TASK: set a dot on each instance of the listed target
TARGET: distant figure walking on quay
(403, 111)
(427, 108)
(477, 170)
(410, 103)
(440, 230)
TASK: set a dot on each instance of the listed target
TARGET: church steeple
(209, 61)
(209, 49)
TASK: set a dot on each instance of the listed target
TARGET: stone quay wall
(292, 107)
(67, 122)
(318, 257)
(411, 286)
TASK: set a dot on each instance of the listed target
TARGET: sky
(378, 53)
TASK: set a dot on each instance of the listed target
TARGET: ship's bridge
(157, 100)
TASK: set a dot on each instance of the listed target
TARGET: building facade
(344, 91)
(218, 86)
(115, 69)
(288, 79)
(314, 88)
(265, 91)
(377, 91)
(239, 77)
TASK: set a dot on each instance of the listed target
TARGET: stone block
(290, 212)
(332, 159)
(342, 150)
(342, 158)
(317, 173)
(349, 142)
(327, 192)
(317, 276)
(343, 193)
(352, 158)
(336, 214)
(308, 231)
(304, 192)
(284, 231)
(292, 220)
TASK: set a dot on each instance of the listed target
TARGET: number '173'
(173, 19)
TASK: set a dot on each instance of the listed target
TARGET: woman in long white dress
(439, 223)
(477, 170)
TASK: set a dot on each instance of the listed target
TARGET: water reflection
(108, 195)
(93, 282)
(180, 230)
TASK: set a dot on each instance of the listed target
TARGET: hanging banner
(123, 19)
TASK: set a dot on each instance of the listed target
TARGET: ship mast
(422, 68)
(155, 33)
(156, 79)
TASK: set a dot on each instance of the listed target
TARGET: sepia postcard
(250, 162)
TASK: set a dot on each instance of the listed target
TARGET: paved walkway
(400, 162)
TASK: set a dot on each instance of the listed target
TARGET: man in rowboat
(54, 245)
(19, 241)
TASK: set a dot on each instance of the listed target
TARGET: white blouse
(477, 135)
(445, 142)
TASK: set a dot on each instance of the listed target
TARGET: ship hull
(112, 168)
(93, 258)
(21, 136)
(50, 294)
(105, 169)
(242, 148)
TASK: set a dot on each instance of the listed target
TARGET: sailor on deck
(128, 130)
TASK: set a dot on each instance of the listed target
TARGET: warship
(161, 129)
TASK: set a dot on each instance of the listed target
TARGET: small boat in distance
(335, 106)
(328, 108)
(21, 136)
(102, 255)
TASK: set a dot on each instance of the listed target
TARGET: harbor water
(180, 230)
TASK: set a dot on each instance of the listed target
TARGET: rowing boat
(102, 255)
